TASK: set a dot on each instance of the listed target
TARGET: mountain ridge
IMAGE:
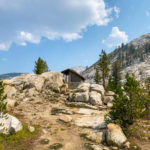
(134, 58)
(9, 75)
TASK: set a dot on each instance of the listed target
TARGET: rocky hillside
(66, 119)
(49, 116)
(79, 69)
(134, 58)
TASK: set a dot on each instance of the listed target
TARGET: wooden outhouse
(72, 78)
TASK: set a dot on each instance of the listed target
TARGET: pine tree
(103, 66)
(129, 103)
(147, 104)
(116, 73)
(97, 77)
(40, 66)
(2, 98)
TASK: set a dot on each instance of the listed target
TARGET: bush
(56, 146)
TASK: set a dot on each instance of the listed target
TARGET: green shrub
(56, 146)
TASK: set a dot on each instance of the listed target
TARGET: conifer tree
(128, 103)
(40, 66)
(147, 104)
(103, 66)
(116, 73)
(97, 77)
(2, 98)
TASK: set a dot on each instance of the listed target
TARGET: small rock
(45, 141)
(109, 105)
(31, 129)
(108, 99)
(110, 93)
(94, 136)
(114, 148)
(127, 144)
(65, 118)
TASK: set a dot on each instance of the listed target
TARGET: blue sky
(66, 33)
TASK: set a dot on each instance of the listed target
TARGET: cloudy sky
(66, 33)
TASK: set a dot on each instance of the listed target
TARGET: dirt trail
(38, 112)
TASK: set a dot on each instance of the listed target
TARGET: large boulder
(115, 135)
(53, 80)
(81, 97)
(95, 98)
(98, 88)
(9, 123)
(49, 80)
(83, 87)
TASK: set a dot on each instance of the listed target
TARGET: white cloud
(5, 46)
(147, 14)
(117, 11)
(25, 21)
(115, 38)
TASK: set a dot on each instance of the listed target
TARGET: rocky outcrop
(115, 135)
(88, 93)
(50, 80)
(9, 124)
(42, 100)
(93, 94)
